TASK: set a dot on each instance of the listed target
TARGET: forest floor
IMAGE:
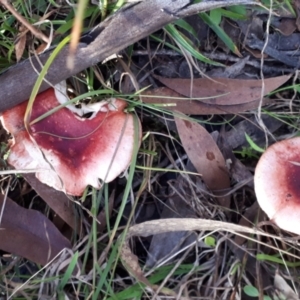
(211, 93)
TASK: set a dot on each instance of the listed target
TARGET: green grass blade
(177, 36)
(216, 16)
(232, 14)
(277, 260)
(239, 9)
(41, 78)
(220, 33)
(104, 275)
(69, 272)
(253, 145)
(186, 26)
(135, 291)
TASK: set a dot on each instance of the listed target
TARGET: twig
(22, 20)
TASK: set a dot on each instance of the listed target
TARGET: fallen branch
(130, 24)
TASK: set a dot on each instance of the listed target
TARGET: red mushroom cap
(72, 152)
(277, 184)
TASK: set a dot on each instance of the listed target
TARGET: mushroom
(71, 152)
(277, 188)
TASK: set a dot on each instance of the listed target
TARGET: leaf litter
(58, 201)
(205, 157)
(197, 143)
(168, 99)
(28, 233)
(214, 95)
(224, 91)
(224, 170)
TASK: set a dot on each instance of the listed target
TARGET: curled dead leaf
(173, 101)
(206, 157)
(28, 233)
(223, 91)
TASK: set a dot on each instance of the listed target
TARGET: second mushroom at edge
(69, 151)
(277, 185)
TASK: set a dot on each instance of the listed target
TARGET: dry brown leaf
(297, 7)
(224, 91)
(131, 263)
(285, 290)
(287, 26)
(41, 48)
(187, 224)
(20, 43)
(206, 156)
(256, 53)
(58, 201)
(172, 101)
(28, 233)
